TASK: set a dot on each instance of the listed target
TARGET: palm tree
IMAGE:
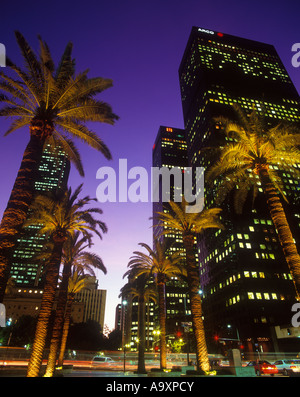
(191, 224)
(248, 161)
(162, 266)
(74, 254)
(60, 219)
(55, 104)
(138, 286)
(76, 282)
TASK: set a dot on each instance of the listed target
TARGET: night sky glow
(139, 45)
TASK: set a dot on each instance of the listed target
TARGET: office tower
(52, 176)
(170, 151)
(246, 282)
(94, 300)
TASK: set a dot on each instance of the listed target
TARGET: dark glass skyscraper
(170, 152)
(244, 275)
(52, 176)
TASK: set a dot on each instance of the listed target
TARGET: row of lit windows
(254, 64)
(247, 245)
(243, 51)
(246, 274)
(264, 295)
(233, 278)
(273, 110)
(255, 296)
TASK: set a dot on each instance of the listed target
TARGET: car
(263, 367)
(287, 366)
(99, 360)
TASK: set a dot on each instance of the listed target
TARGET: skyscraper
(244, 275)
(170, 151)
(52, 176)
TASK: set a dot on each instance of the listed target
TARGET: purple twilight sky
(138, 44)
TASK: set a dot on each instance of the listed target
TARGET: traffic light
(178, 334)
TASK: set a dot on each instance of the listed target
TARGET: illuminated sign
(205, 31)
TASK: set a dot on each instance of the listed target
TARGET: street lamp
(124, 303)
(237, 332)
(124, 357)
(156, 333)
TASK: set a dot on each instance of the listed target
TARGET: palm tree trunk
(128, 320)
(196, 304)
(162, 324)
(36, 357)
(18, 204)
(141, 335)
(58, 321)
(283, 229)
(65, 331)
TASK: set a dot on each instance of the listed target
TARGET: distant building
(94, 301)
(27, 302)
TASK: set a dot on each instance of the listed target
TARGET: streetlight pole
(124, 303)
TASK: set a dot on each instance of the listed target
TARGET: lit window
(250, 295)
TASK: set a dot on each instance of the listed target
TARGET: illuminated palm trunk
(20, 199)
(65, 330)
(50, 288)
(283, 229)
(58, 321)
(141, 283)
(162, 323)
(141, 335)
(196, 304)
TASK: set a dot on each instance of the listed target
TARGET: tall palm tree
(191, 224)
(55, 104)
(74, 254)
(138, 286)
(162, 266)
(78, 281)
(60, 219)
(248, 161)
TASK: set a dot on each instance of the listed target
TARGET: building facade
(170, 152)
(26, 269)
(244, 276)
(23, 301)
(94, 301)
